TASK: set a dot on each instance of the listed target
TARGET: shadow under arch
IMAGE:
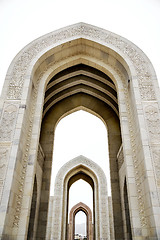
(85, 166)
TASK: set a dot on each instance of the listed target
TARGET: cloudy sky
(23, 21)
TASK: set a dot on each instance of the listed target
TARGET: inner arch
(26, 81)
(76, 135)
(88, 86)
(80, 78)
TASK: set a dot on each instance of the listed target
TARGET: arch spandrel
(71, 168)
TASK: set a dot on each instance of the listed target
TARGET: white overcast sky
(22, 21)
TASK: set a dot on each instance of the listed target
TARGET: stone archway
(130, 112)
(80, 167)
(74, 210)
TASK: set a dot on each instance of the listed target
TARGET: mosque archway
(80, 67)
(80, 168)
(75, 209)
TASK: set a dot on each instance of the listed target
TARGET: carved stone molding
(8, 122)
(153, 123)
(137, 172)
(156, 159)
(127, 49)
(3, 168)
(71, 168)
(25, 158)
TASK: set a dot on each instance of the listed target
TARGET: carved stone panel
(3, 168)
(7, 123)
(153, 123)
(81, 30)
(156, 160)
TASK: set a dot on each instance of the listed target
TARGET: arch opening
(89, 181)
(77, 135)
(73, 95)
(80, 225)
(80, 229)
(82, 191)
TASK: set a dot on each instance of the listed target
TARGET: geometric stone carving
(8, 122)
(147, 91)
(80, 165)
(156, 159)
(153, 123)
(76, 31)
(3, 168)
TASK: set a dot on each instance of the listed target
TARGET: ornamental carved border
(7, 122)
(153, 123)
(140, 199)
(25, 158)
(127, 48)
(156, 158)
(3, 168)
(137, 171)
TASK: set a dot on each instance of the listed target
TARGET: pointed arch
(128, 122)
(74, 210)
(83, 166)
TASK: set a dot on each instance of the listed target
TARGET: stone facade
(80, 67)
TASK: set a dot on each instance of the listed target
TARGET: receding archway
(80, 167)
(128, 116)
(94, 103)
(75, 209)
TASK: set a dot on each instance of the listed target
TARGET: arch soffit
(127, 54)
